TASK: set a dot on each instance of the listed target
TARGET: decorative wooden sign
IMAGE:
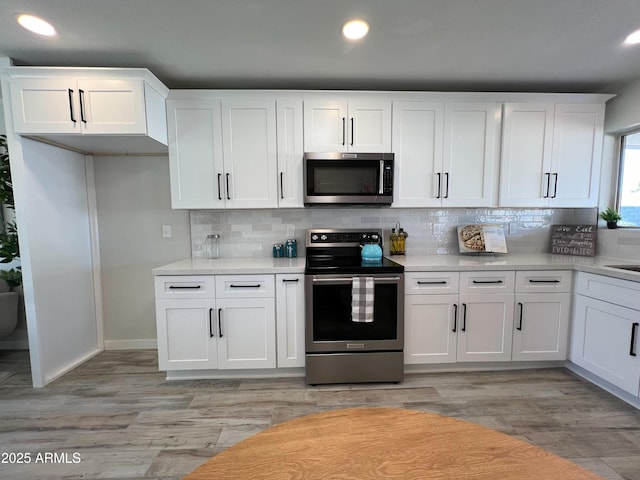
(579, 240)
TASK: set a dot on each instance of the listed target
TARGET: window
(629, 182)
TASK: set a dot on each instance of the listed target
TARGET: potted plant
(9, 250)
(611, 217)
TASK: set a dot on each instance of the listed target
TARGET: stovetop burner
(337, 251)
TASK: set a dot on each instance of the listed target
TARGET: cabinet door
(45, 105)
(186, 334)
(369, 126)
(112, 106)
(485, 327)
(417, 144)
(541, 326)
(290, 320)
(430, 328)
(249, 152)
(525, 179)
(247, 334)
(470, 162)
(290, 153)
(195, 154)
(325, 126)
(577, 154)
(604, 343)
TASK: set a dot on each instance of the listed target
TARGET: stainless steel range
(354, 310)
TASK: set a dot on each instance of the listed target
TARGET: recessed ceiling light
(633, 38)
(36, 25)
(355, 29)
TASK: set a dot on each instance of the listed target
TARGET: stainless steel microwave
(348, 179)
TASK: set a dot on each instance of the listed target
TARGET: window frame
(620, 171)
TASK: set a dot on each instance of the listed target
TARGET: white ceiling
(492, 45)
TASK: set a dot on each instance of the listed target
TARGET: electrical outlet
(166, 231)
(291, 231)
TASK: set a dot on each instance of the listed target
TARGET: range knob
(323, 237)
(314, 237)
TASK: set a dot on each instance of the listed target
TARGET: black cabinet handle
(344, 131)
(544, 281)
(245, 286)
(228, 195)
(220, 322)
(555, 185)
(219, 190)
(443, 282)
(439, 186)
(455, 317)
(290, 280)
(446, 183)
(353, 132)
(83, 117)
(482, 282)
(519, 327)
(281, 185)
(464, 317)
(184, 287)
(211, 332)
(71, 112)
(548, 175)
(634, 333)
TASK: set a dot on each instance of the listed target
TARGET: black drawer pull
(443, 282)
(544, 281)
(181, 287)
(220, 322)
(211, 332)
(290, 280)
(245, 286)
(634, 333)
(487, 281)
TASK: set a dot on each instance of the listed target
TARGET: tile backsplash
(252, 233)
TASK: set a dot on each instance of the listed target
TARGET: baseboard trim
(67, 368)
(140, 344)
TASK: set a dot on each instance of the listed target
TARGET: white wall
(133, 202)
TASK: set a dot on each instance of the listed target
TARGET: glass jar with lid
(212, 246)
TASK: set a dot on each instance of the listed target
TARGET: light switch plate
(166, 231)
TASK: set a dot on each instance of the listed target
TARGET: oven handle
(350, 279)
(381, 185)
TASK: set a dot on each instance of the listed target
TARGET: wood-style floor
(115, 417)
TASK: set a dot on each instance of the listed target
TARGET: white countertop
(541, 261)
(229, 266)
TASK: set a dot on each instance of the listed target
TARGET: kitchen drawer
(556, 281)
(431, 283)
(609, 289)
(245, 286)
(185, 286)
(487, 282)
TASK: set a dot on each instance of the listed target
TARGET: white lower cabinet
(605, 333)
(290, 320)
(221, 322)
(542, 315)
(444, 326)
(485, 326)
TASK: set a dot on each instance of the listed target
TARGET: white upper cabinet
(290, 153)
(347, 126)
(551, 154)
(66, 102)
(445, 153)
(417, 145)
(249, 153)
(222, 153)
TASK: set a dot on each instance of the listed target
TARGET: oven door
(329, 324)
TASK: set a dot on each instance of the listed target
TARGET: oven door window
(355, 177)
(332, 314)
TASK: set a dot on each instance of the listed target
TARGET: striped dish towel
(362, 296)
